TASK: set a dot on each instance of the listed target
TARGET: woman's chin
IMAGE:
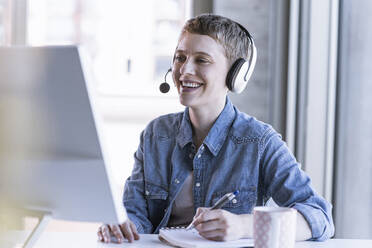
(185, 102)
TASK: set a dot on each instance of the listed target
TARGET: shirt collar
(185, 132)
(217, 134)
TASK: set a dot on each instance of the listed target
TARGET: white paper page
(191, 238)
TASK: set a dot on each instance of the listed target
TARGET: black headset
(239, 73)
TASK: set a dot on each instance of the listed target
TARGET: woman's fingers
(216, 235)
(104, 233)
(115, 230)
(199, 211)
(100, 236)
(220, 225)
(205, 214)
(134, 231)
(210, 225)
(127, 231)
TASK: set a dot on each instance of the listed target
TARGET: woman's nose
(187, 67)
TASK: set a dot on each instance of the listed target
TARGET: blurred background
(312, 80)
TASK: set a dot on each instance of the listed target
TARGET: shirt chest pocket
(243, 203)
(153, 192)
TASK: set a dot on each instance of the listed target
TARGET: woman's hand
(127, 230)
(221, 225)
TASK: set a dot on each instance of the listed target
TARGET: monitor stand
(44, 218)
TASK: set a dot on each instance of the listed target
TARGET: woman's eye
(179, 58)
(202, 60)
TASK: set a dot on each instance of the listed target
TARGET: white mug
(274, 227)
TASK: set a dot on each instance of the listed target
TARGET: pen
(219, 204)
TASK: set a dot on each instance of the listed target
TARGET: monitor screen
(52, 152)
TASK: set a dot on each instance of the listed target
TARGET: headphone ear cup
(235, 77)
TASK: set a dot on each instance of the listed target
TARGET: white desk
(88, 239)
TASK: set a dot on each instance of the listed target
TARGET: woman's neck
(202, 120)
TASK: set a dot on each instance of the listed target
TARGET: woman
(186, 161)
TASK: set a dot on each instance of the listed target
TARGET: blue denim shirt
(239, 153)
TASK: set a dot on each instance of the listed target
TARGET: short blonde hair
(225, 31)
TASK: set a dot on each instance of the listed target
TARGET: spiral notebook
(180, 237)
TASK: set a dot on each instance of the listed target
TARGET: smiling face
(199, 71)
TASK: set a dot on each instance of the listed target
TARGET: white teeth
(190, 85)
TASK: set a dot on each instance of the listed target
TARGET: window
(4, 22)
(131, 43)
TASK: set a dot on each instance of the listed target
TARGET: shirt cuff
(321, 225)
(136, 223)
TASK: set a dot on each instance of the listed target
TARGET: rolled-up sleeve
(290, 186)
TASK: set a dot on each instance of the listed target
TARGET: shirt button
(177, 181)
(234, 201)
(199, 155)
(197, 184)
(147, 193)
(191, 155)
(165, 210)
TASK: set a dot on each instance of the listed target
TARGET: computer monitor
(52, 156)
